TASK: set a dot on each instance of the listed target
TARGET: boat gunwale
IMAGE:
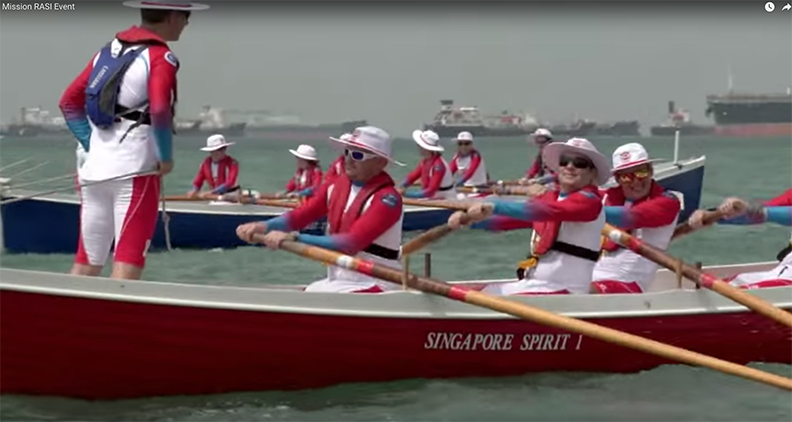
(174, 207)
(396, 304)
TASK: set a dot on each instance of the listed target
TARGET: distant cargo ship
(450, 120)
(751, 115)
(620, 128)
(679, 120)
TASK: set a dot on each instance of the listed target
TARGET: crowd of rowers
(567, 211)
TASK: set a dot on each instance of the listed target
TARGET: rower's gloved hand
(247, 230)
(733, 207)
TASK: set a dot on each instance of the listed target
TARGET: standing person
(219, 169)
(120, 108)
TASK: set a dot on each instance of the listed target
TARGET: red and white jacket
(220, 176)
(436, 177)
(336, 168)
(473, 168)
(363, 221)
(651, 219)
(304, 179)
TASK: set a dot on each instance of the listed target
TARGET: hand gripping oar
(685, 228)
(653, 254)
(701, 278)
(530, 313)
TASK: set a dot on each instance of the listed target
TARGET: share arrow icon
(787, 7)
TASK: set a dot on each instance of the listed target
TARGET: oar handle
(710, 218)
(703, 279)
(524, 311)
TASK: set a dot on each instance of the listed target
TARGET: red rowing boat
(97, 338)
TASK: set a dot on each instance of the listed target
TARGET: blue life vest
(104, 83)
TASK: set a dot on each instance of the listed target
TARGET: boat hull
(755, 130)
(101, 339)
(50, 225)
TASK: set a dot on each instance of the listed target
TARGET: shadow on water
(667, 393)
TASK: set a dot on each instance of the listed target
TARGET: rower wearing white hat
(219, 170)
(337, 166)
(308, 177)
(469, 162)
(640, 206)
(437, 180)
(541, 138)
(121, 108)
(364, 215)
(568, 223)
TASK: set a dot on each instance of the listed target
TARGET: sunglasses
(359, 155)
(464, 143)
(639, 174)
(578, 162)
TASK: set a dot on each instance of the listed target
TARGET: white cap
(306, 152)
(630, 155)
(373, 139)
(215, 142)
(428, 140)
(465, 136)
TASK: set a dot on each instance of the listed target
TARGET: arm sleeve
(655, 212)
(783, 200)
(72, 105)
(778, 215)
(434, 183)
(412, 176)
(385, 211)
(199, 179)
(501, 223)
(578, 207)
(161, 85)
(310, 211)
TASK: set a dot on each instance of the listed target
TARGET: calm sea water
(743, 167)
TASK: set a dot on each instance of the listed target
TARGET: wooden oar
(530, 313)
(653, 254)
(701, 278)
(424, 239)
(685, 228)
(283, 203)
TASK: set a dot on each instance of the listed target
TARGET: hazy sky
(392, 63)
